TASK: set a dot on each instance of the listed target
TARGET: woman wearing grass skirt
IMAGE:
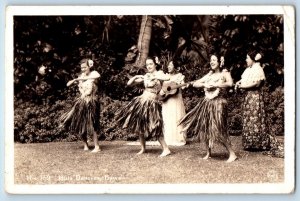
(255, 136)
(208, 119)
(142, 116)
(83, 117)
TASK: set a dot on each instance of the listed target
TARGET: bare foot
(206, 157)
(85, 148)
(141, 152)
(165, 153)
(231, 158)
(96, 149)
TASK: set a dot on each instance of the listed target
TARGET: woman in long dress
(83, 117)
(173, 110)
(208, 119)
(255, 136)
(142, 116)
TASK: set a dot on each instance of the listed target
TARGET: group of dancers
(159, 112)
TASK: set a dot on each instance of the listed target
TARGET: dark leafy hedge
(39, 122)
(60, 42)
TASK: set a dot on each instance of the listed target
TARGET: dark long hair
(158, 66)
(219, 56)
(252, 54)
(85, 60)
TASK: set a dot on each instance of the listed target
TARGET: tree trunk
(144, 41)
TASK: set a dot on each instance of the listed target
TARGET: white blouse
(253, 74)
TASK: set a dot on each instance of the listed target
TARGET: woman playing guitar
(172, 106)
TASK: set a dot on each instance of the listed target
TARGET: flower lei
(211, 95)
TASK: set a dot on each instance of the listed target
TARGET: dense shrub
(274, 101)
(111, 130)
(39, 122)
(60, 42)
(235, 118)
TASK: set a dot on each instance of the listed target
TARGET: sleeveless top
(210, 78)
(153, 86)
(88, 85)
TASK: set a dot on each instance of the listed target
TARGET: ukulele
(169, 89)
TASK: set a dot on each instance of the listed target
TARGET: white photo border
(289, 89)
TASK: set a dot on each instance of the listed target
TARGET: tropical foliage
(47, 50)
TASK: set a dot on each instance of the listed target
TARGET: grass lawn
(67, 163)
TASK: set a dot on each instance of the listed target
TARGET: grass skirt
(142, 116)
(83, 118)
(208, 121)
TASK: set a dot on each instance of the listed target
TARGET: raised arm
(92, 75)
(71, 82)
(135, 79)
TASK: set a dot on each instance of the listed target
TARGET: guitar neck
(181, 85)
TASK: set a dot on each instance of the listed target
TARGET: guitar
(169, 89)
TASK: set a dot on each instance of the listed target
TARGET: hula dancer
(208, 119)
(83, 117)
(142, 115)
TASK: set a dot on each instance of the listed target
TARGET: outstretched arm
(201, 82)
(92, 75)
(71, 82)
(135, 79)
(160, 75)
(198, 83)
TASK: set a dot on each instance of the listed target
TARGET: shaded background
(47, 50)
(5, 196)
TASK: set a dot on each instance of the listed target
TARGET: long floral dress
(173, 111)
(143, 115)
(256, 136)
(208, 119)
(83, 117)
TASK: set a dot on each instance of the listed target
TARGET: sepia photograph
(150, 99)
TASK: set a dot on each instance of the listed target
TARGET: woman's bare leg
(232, 156)
(208, 151)
(166, 150)
(85, 144)
(96, 143)
(143, 144)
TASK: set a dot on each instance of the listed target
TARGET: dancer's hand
(237, 85)
(71, 82)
